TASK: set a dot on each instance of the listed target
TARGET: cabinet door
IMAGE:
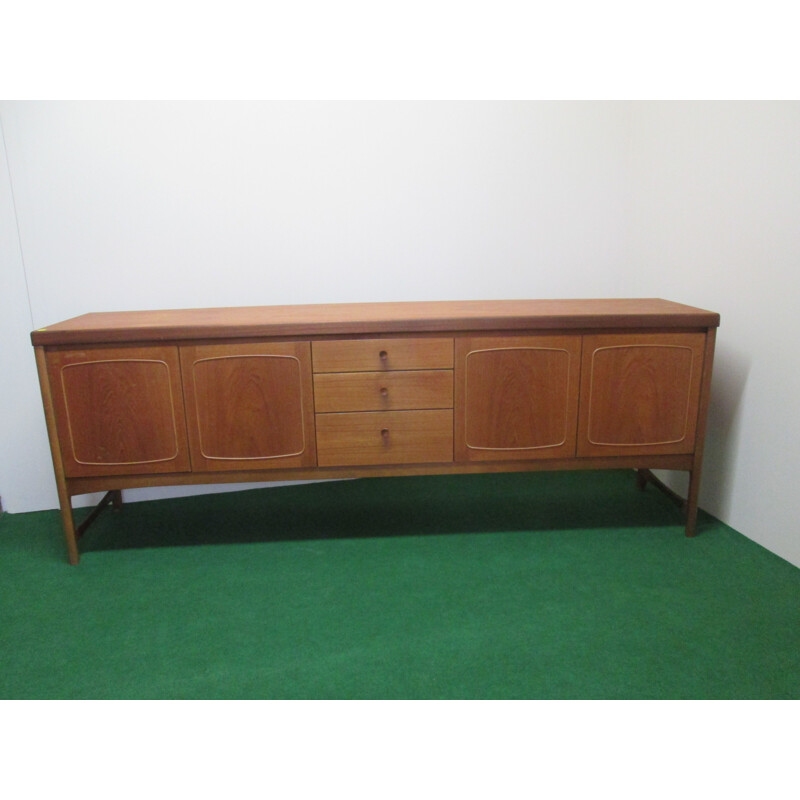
(516, 397)
(249, 406)
(640, 393)
(119, 411)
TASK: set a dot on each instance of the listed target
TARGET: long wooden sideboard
(201, 396)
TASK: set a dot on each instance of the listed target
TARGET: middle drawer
(383, 391)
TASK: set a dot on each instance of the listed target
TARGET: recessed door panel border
(588, 443)
(469, 346)
(75, 462)
(300, 352)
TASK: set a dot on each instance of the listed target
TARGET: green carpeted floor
(562, 585)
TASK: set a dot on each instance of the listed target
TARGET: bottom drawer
(385, 437)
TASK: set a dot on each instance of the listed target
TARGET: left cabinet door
(249, 406)
(119, 411)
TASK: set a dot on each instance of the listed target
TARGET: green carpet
(540, 585)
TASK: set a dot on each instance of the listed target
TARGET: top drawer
(373, 355)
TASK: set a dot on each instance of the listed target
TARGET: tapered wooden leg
(702, 418)
(641, 479)
(68, 524)
(116, 499)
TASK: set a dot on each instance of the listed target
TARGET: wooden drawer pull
(384, 391)
(385, 435)
(383, 355)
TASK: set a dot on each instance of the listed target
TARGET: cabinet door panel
(640, 393)
(119, 411)
(249, 406)
(516, 397)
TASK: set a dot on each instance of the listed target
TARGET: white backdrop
(113, 206)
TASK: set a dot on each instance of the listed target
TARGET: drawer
(383, 391)
(385, 437)
(378, 355)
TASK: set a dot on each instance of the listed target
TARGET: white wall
(716, 222)
(134, 205)
(26, 473)
(158, 205)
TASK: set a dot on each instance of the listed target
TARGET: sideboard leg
(68, 524)
(702, 419)
(645, 476)
(116, 499)
(689, 506)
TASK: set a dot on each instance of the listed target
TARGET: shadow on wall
(731, 369)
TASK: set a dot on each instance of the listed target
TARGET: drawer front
(385, 437)
(378, 355)
(383, 391)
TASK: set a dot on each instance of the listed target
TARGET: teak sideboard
(157, 398)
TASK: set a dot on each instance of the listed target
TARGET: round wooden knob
(384, 391)
(385, 434)
(383, 355)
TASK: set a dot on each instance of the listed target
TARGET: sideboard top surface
(371, 318)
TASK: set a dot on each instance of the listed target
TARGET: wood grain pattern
(380, 355)
(383, 391)
(516, 397)
(372, 318)
(249, 405)
(385, 437)
(119, 410)
(640, 393)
